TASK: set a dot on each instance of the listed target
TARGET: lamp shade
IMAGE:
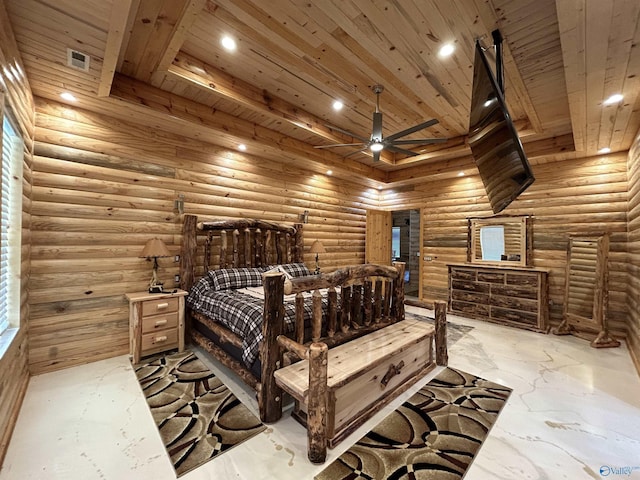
(317, 247)
(155, 248)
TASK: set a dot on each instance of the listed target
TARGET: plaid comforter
(240, 310)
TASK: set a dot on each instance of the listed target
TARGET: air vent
(78, 60)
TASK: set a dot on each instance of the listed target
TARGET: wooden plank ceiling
(563, 58)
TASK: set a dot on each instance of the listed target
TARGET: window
(10, 222)
(395, 242)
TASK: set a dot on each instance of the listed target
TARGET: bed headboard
(231, 243)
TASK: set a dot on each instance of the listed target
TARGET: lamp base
(157, 288)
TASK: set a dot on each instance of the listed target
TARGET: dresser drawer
(159, 341)
(161, 305)
(159, 322)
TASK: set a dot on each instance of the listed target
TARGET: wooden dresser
(515, 296)
(156, 322)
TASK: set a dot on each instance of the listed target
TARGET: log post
(317, 407)
(299, 334)
(368, 306)
(356, 306)
(397, 310)
(236, 254)
(345, 309)
(377, 301)
(333, 312)
(223, 249)
(247, 248)
(207, 251)
(270, 395)
(299, 244)
(316, 321)
(187, 257)
(258, 253)
(442, 357)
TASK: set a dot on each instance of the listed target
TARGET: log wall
(103, 187)
(587, 194)
(633, 246)
(14, 374)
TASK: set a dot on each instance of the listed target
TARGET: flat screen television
(495, 146)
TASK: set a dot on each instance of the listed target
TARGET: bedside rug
(434, 435)
(197, 415)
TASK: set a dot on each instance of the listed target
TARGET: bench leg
(442, 357)
(317, 405)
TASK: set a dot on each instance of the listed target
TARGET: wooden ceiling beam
(121, 10)
(491, 20)
(537, 148)
(213, 80)
(226, 130)
(188, 16)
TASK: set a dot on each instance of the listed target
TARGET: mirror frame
(526, 239)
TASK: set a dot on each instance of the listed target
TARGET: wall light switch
(176, 258)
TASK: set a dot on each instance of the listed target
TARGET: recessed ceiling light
(228, 43)
(329, 172)
(604, 150)
(446, 50)
(242, 147)
(613, 99)
(379, 187)
(337, 105)
(461, 174)
(68, 96)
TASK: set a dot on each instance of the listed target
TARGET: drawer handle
(162, 306)
(160, 323)
(161, 339)
(392, 372)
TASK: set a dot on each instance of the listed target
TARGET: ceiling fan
(377, 142)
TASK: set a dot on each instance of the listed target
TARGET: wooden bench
(336, 390)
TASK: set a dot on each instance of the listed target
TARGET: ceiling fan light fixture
(376, 146)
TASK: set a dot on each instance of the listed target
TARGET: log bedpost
(317, 407)
(187, 257)
(298, 251)
(270, 395)
(442, 357)
(397, 309)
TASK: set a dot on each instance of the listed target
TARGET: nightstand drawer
(160, 341)
(159, 322)
(161, 305)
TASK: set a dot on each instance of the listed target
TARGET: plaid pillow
(226, 278)
(280, 269)
(296, 269)
(198, 290)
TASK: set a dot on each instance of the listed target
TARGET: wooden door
(378, 238)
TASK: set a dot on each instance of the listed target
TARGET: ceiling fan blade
(346, 132)
(422, 141)
(376, 133)
(356, 152)
(413, 129)
(340, 145)
(391, 148)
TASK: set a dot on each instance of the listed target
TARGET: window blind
(10, 210)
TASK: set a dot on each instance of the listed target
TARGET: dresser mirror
(500, 241)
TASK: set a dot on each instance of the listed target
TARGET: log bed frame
(370, 297)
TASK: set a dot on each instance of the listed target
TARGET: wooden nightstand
(156, 322)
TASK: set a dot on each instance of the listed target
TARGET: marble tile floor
(574, 414)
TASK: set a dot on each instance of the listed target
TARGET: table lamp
(155, 248)
(317, 247)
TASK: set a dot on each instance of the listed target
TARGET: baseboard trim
(633, 351)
